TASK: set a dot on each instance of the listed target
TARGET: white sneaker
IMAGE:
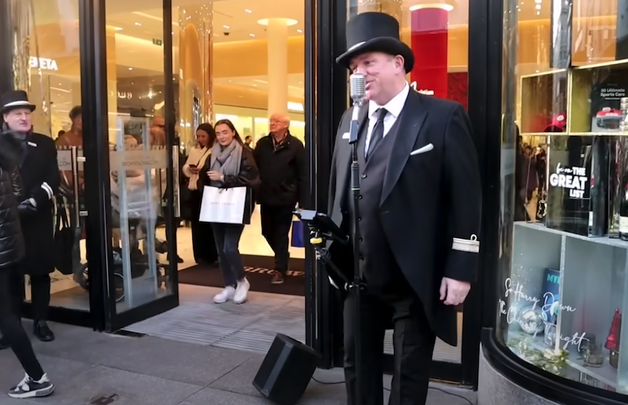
(29, 388)
(224, 296)
(241, 292)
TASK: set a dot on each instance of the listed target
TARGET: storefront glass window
(138, 156)
(563, 278)
(438, 33)
(54, 86)
(240, 60)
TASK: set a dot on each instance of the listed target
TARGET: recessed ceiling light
(225, 27)
(252, 35)
(299, 31)
(288, 21)
(247, 11)
(138, 24)
(130, 68)
(446, 7)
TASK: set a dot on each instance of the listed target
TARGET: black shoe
(43, 332)
(277, 278)
(29, 388)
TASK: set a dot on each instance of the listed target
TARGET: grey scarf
(226, 159)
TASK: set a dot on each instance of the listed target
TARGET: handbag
(297, 236)
(225, 205)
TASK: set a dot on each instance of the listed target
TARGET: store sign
(422, 91)
(125, 95)
(138, 159)
(43, 63)
(572, 178)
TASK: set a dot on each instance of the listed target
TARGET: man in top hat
(40, 179)
(419, 214)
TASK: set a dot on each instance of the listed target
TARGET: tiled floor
(250, 327)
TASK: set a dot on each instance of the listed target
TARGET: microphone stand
(357, 286)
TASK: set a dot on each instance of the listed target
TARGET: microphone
(358, 93)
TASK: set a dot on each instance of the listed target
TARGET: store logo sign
(572, 178)
(43, 63)
(422, 91)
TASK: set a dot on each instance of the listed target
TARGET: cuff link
(466, 245)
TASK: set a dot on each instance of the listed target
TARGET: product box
(606, 93)
(569, 184)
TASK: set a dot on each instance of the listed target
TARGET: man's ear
(399, 62)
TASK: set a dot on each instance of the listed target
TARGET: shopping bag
(297, 235)
(223, 205)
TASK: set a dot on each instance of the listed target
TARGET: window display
(564, 285)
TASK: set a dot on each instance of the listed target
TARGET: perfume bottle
(612, 341)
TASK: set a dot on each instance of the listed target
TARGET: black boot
(43, 332)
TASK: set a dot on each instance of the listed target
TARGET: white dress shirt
(393, 107)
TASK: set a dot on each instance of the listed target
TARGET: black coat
(11, 239)
(283, 172)
(248, 177)
(40, 181)
(427, 199)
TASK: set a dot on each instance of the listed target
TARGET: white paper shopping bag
(223, 205)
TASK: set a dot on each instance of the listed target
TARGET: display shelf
(592, 283)
(543, 97)
(604, 374)
(580, 92)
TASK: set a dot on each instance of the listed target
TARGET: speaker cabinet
(286, 370)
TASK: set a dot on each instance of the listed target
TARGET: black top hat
(375, 32)
(15, 99)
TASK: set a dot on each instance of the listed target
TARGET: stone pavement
(88, 367)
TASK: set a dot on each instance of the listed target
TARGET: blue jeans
(227, 238)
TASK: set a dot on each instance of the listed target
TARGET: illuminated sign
(422, 91)
(43, 63)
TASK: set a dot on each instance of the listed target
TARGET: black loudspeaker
(286, 370)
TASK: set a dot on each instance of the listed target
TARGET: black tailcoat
(40, 179)
(431, 194)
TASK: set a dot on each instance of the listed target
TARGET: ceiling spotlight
(446, 7)
(299, 31)
(252, 35)
(247, 11)
(288, 21)
(225, 27)
(138, 24)
(130, 68)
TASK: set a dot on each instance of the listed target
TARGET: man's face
(77, 124)
(158, 132)
(19, 119)
(380, 71)
(277, 123)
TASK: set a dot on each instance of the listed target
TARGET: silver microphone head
(357, 87)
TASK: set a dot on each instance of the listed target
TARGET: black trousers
(413, 346)
(203, 243)
(40, 295)
(11, 281)
(276, 222)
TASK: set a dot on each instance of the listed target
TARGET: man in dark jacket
(39, 171)
(12, 249)
(280, 158)
(418, 211)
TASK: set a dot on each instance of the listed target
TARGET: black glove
(27, 208)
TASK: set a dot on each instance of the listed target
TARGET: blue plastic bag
(297, 239)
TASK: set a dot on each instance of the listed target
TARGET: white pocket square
(345, 135)
(424, 149)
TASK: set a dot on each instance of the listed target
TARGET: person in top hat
(419, 208)
(40, 181)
